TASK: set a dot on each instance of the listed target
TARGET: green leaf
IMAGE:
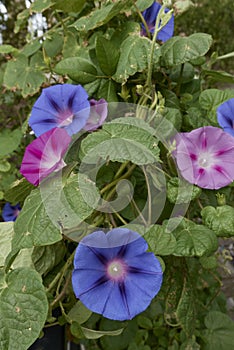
(180, 307)
(160, 242)
(179, 191)
(5, 166)
(185, 311)
(107, 55)
(107, 90)
(144, 4)
(52, 207)
(69, 5)
(101, 16)
(220, 220)
(71, 47)
(23, 259)
(46, 258)
(121, 341)
(79, 313)
(19, 74)
(178, 50)
(23, 309)
(92, 334)
(22, 19)
(210, 99)
(53, 44)
(33, 227)
(31, 48)
(6, 233)
(121, 142)
(79, 69)
(220, 76)
(9, 141)
(134, 55)
(120, 34)
(209, 262)
(18, 191)
(144, 322)
(193, 239)
(186, 76)
(5, 49)
(41, 5)
(166, 125)
(219, 333)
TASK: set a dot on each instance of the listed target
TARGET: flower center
(66, 118)
(116, 270)
(205, 160)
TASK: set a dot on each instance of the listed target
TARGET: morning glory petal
(44, 155)
(150, 16)
(108, 279)
(225, 116)
(10, 212)
(205, 156)
(64, 106)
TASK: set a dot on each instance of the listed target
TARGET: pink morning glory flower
(98, 114)
(64, 106)
(150, 15)
(225, 116)
(205, 157)
(114, 275)
(44, 155)
(10, 212)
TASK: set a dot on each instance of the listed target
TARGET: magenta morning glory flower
(10, 212)
(225, 116)
(98, 114)
(64, 106)
(44, 155)
(114, 275)
(150, 15)
(205, 157)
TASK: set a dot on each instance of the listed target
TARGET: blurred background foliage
(211, 17)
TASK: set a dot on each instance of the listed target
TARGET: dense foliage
(124, 174)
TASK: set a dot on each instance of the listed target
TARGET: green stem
(115, 181)
(156, 31)
(149, 196)
(143, 21)
(121, 169)
(120, 218)
(139, 212)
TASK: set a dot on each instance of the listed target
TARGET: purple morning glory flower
(150, 16)
(114, 275)
(225, 116)
(205, 157)
(98, 114)
(44, 155)
(10, 212)
(64, 106)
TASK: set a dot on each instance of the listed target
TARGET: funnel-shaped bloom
(64, 106)
(114, 275)
(225, 116)
(205, 157)
(10, 212)
(98, 114)
(44, 155)
(150, 16)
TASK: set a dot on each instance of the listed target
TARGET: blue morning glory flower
(63, 105)
(10, 212)
(225, 116)
(150, 16)
(114, 275)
